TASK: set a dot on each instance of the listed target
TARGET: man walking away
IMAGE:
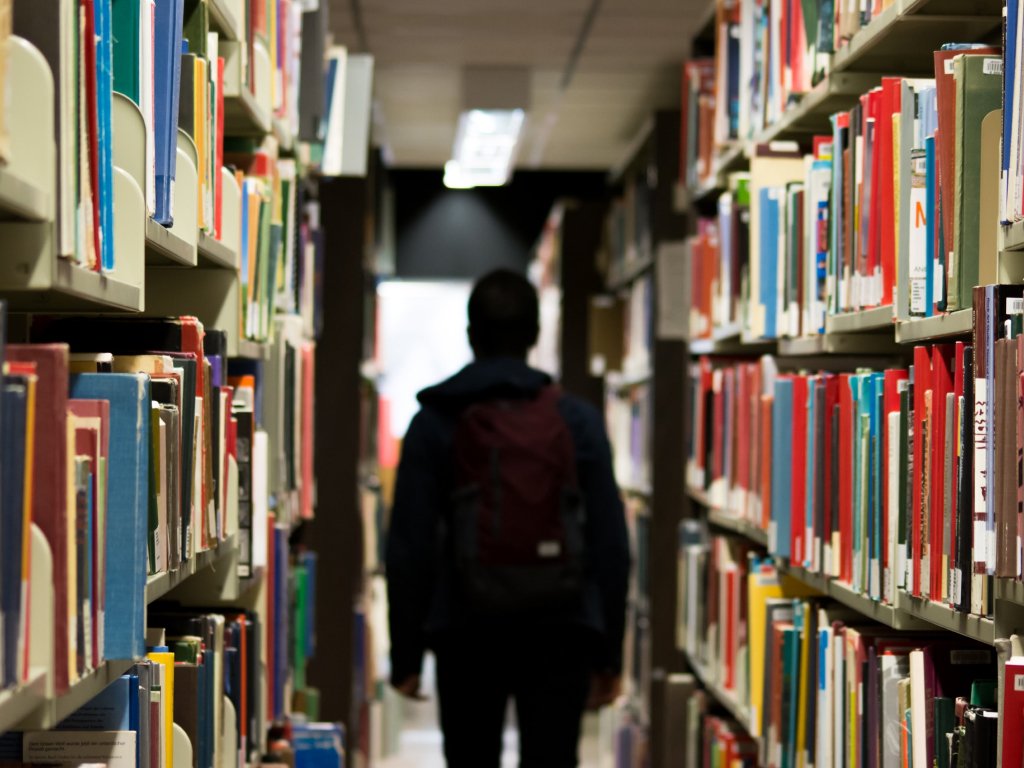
(508, 553)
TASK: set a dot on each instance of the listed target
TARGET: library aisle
(777, 251)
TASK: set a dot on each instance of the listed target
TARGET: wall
(461, 234)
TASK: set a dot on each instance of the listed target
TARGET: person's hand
(605, 688)
(410, 688)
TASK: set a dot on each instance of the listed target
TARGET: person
(555, 659)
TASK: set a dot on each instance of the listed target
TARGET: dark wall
(447, 234)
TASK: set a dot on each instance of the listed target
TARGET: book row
(890, 209)
(767, 55)
(900, 479)
(134, 445)
(817, 683)
(220, 677)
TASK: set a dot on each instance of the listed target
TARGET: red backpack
(518, 514)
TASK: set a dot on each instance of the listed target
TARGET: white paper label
(992, 66)
(1018, 682)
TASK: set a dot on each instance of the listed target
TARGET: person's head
(503, 315)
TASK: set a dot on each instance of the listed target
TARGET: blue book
(109, 710)
(13, 410)
(309, 560)
(769, 226)
(855, 391)
(104, 128)
(931, 267)
(167, 80)
(1009, 84)
(134, 714)
(809, 471)
(127, 506)
(318, 745)
(782, 451)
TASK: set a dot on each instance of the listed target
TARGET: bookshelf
(206, 528)
(898, 40)
(643, 374)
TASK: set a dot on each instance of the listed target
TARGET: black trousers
(545, 669)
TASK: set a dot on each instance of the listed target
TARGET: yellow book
(166, 660)
(26, 522)
(202, 107)
(763, 585)
(72, 551)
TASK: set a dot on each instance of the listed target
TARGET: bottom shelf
(725, 698)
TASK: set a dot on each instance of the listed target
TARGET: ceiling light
(485, 148)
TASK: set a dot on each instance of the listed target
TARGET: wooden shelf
(75, 289)
(21, 200)
(86, 689)
(725, 698)
(165, 248)
(812, 113)
(858, 322)
(944, 617)
(883, 613)
(159, 584)
(837, 344)
(244, 117)
(1010, 590)
(745, 528)
(1013, 236)
(729, 340)
(904, 36)
(253, 350)
(20, 703)
(213, 253)
(959, 323)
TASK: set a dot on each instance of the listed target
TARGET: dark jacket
(423, 600)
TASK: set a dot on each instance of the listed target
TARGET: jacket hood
(484, 379)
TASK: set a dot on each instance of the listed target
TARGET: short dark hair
(503, 315)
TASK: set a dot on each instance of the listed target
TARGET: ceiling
(628, 67)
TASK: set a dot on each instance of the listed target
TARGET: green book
(944, 713)
(126, 25)
(196, 27)
(978, 92)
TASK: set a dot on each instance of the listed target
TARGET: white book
(918, 709)
(115, 749)
(148, 98)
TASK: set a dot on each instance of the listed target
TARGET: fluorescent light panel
(485, 148)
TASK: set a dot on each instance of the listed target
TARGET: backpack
(517, 512)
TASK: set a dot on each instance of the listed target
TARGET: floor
(421, 745)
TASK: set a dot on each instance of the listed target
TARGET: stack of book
(815, 682)
(895, 208)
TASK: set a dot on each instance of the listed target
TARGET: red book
(50, 483)
(766, 463)
(958, 392)
(717, 423)
(831, 403)
(732, 584)
(922, 384)
(92, 439)
(942, 385)
(308, 409)
(890, 105)
(1012, 714)
(92, 120)
(798, 495)
(845, 554)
